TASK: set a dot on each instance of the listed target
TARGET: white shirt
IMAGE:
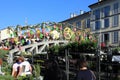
(15, 66)
(25, 67)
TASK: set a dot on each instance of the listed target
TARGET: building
(105, 21)
(81, 21)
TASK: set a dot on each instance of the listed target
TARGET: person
(25, 68)
(15, 67)
(84, 73)
(53, 72)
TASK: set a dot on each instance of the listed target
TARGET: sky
(30, 12)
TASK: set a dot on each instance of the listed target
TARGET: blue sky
(13, 12)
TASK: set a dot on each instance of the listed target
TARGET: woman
(25, 68)
(84, 73)
(15, 67)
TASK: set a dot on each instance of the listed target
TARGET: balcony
(94, 17)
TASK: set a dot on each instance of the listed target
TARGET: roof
(86, 13)
(99, 2)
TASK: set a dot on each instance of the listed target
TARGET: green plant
(6, 77)
(37, 71)
(6, 68)
(116, 50)
(83, 47)
(3, 53)
(30, 77)
(55, 49)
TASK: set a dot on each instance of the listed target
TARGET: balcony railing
(115, 11)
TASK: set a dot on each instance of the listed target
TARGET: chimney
(82, 12)
(100, 0)
(73, 15)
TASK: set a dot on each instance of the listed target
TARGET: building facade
(81, 21)
(105, 21)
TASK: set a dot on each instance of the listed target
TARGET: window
(115, 20)
(71, 25)
(115, 8)
(88, 23)
(106, 11)
(106, 23)
(115, 37)
(96, 13)
(78, 24)
(97, 25)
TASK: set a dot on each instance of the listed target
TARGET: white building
(105, 21)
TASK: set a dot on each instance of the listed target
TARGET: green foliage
(6, 77)
(116, 50)
(83, 47)
(3, 53)
(55, 49)
(37, 71)
(30, 77)
(6, 68)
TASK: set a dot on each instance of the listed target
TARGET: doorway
(106, 38)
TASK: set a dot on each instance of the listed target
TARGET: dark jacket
(85, 75)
